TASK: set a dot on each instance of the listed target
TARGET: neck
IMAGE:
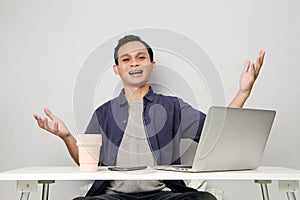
(136, 93)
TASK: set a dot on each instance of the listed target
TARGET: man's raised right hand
(54, 125)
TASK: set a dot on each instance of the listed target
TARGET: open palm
(54, 125)
(250, 73)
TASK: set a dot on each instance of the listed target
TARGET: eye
(142, 57)
(125, 59)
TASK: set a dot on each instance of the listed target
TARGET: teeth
(135, 72)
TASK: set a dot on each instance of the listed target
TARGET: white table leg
(289, 187)
(25, 187)
(45, 192)
(25, 196)
(291, 195)
(264, 188)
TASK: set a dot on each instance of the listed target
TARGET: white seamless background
(44, 45)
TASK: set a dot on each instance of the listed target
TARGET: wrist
(66, 138)
(239, 100)
(243, 93)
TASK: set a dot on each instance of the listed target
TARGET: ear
(153, 65)
(116, 69)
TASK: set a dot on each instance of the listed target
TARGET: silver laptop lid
(233, 139)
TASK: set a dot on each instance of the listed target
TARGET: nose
(134, 63)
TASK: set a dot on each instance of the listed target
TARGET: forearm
(70, 142)
(239, 99)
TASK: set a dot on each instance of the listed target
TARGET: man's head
(134, 61)
(131, 38)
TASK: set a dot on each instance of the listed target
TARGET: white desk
(288, 178)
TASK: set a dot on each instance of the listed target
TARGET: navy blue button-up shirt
(167, 119)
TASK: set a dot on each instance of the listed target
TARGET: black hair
(131, 38)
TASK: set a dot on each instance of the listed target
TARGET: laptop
(231, 139)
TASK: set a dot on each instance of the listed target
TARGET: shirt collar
(149, 95)
(122, 99)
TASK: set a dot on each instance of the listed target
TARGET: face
(134, 66)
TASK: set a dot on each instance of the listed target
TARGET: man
(140, 127)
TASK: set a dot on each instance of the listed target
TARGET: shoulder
(106, 107)
(170, 99)
(165, 99)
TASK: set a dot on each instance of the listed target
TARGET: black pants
(160, 195)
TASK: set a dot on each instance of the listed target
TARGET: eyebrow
(127, 54)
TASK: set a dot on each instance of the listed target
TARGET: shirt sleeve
(93, 126)
(192, 121)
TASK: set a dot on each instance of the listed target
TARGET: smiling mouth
(133, 72)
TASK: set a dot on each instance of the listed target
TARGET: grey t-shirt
(134, 150)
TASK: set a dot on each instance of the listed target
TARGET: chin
(140, 84)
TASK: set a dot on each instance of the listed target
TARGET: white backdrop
(44, 45)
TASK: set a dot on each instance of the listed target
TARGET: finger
(261, 57)
(40, 122)
(252, 70)
(36, 116)
(257, 64)
(46, 124)
(259, 61)
(49, 113)
(262, 54)
(246, 66)
(55, 130)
